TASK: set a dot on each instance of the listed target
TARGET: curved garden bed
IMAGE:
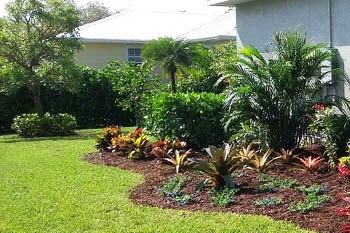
(157, 174)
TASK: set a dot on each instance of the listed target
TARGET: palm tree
(171, 54)
(279, 90)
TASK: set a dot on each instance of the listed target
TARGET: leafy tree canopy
(38, 41)
(93, 11)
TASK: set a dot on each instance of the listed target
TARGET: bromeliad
(222, 163)
(179, 160)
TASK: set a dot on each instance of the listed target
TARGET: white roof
(135, 26)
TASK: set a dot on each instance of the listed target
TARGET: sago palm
(280, 88)
(171, 55)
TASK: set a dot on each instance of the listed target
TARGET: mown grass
(45, 186)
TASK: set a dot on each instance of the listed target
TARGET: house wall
(98, 55)
(257, 21)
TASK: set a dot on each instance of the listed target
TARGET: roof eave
(112, 41)
(214, 38)
(227, 2)
(126, 41)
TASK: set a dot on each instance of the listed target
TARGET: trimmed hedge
(31, 125)
(192, 117)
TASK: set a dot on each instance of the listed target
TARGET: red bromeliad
(343, 169)
(346, 228)
(319, 106)
(344, 166)
(344, 211)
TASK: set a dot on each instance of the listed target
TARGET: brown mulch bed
(156, 174)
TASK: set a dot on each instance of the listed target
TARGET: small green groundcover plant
(268, 201)
(316, 196)
(223, 197)
(173, 190)
(272, 184)
(33, 125)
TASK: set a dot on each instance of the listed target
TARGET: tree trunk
(173, 83)
(37, 101)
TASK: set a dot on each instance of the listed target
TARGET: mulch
(156, 174)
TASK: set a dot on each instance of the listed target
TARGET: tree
(93, 11)
(279, 91)
(172, 55)
(210, 63)
(132, 82)
(38, 41)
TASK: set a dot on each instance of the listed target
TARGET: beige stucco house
(123, 35)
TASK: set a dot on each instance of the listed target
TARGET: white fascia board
(227, 2)
(116, 41)
(112, 41)
(214, 38)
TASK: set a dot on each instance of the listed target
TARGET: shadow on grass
(15, 139)
(78, 136)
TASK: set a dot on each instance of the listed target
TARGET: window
(134, 55)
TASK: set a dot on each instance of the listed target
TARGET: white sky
(165, 5)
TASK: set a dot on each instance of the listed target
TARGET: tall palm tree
(279, 90)
(171, 54)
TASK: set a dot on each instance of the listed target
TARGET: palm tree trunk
(173, 82)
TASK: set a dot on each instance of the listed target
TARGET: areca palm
(171, 54)
(280, 89)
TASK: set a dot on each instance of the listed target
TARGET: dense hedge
(92, 103)
(13, 105)
(31, 125)
(193, 117)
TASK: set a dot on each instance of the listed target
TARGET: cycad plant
(279, 89)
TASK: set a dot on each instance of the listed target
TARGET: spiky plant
(222, 163)
(286, 156)
(309, 164)
(262, 163)
(179, 160)
(246, 154)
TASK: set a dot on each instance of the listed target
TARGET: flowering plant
(344, 166)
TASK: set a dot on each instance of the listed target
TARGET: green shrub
(31, 125)
(193, 117)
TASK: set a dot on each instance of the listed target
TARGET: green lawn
(45, 186)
